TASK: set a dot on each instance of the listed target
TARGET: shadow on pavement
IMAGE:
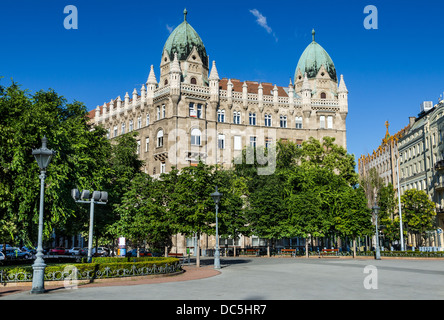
(209, 261)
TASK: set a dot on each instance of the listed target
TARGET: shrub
(99, 268)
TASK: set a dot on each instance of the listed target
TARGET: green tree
(79, 161)
(418, 213)
(353, 219)
(143, 217)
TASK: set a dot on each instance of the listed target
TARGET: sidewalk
(190, 273)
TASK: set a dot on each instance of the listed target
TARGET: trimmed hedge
(99, 268)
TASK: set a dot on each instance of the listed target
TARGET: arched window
(193, 81)
(160, 138)
(323, 95)
(195, 137)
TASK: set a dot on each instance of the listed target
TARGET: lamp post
(376, 211)
(43, 157)
(98, 197)
(216, 197)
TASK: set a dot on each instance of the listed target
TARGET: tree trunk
(306, 247)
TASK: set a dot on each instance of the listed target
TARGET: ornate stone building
(189, 113)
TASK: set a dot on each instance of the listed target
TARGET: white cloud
(262, 21)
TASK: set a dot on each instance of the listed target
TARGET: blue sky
(388, 71)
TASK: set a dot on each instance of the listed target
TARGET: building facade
(418, 151)
(421, 152)
(189, 113)
(384, 158)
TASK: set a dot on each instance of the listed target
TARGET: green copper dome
(182, 40)
(313, 57)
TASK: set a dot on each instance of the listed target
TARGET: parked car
(101, 251)
(16, 253)
(2, 256)
(142, 253)
(29, 250)
(76, 251)
(57, 251)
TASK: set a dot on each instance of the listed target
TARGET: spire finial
(313, 34)
(185, 14)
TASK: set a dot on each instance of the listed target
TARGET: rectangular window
(147, 144)
(268, 120)
(130, 126)
(199, 111)
(221, 141)
(163, 111)
(123, 129)
(252, 119)
(236, 117)
(115, 131)
(253, 141)
(220, 115)
(299, 143)
(158, 113)
(298, 121)
(283, 121)
(268, 142)
(138, 147)
(147, 119)
(139, 122)
(162, 167)
(192, 110)
(322, 122)
(237, 143)
(330, 122)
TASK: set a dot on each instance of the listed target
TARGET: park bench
(287, 252)
(252, 252)
(177, 255)
(329, 252)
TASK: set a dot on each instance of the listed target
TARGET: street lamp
(216, 197)
(376, 211)
(43, 157)
(98, 197)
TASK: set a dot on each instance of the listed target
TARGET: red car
(57, 250)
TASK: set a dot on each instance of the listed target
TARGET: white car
(100, 252)
(76, 251)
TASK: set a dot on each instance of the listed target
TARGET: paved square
(283, 279)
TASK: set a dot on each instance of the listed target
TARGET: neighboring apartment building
(420, 149)
(384, 158)
(422, 160)
(191, 114)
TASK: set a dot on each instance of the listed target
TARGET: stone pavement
(274, 279)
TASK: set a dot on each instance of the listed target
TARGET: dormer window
(193, 81)
(323, 95)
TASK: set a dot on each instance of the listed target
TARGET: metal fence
(70, 272)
